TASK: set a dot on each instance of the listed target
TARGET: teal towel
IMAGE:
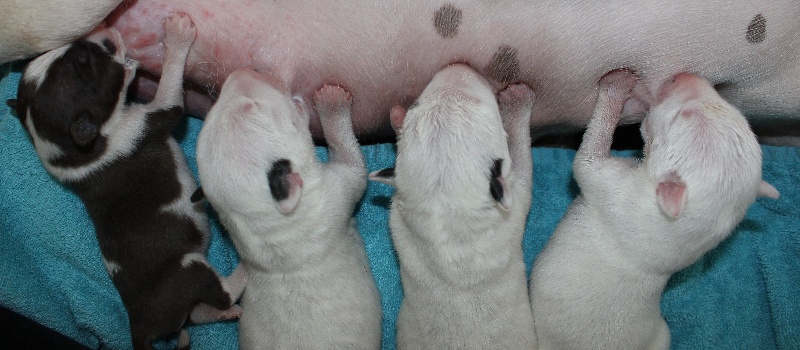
(745, 294)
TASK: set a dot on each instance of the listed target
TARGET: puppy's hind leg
(180, 34)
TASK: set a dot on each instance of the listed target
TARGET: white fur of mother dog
(598, 282)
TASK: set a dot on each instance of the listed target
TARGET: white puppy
(131, 175)
(456, 230)
(599, 280)
(310, 285)
(30, 27)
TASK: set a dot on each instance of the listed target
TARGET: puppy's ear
(284, 185)
(396, 116)
(83, 130)
(384, 176)
(768, 191)
(671, 195)
(497, 186)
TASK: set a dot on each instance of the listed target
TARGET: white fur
(31, 27)
(309, 284)
(599, 280)
(180, 206)
(192, 258)
(460, 253)
(111, 267)
(36, 71)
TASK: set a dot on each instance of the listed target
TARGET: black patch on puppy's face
(495, 187)
(78, 95)
(279, 185)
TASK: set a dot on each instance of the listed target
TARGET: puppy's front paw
(332, 100)
(179, 31)
(618, 82)
(516, 104)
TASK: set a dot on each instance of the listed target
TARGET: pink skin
(385, 52)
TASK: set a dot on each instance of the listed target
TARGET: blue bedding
(745, 294)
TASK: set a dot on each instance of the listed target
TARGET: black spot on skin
(495, 187)
(278, 184)
(504, 66)
(757, 30)
(198, 195)
(446, 20)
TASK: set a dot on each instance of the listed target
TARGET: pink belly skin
(385, 52)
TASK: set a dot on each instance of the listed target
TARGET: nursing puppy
(290, 216)
(30, 27)
(599, 280)
(456, 229)
(131, 176)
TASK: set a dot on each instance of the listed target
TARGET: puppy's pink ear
(768, 191)
(671, 195)
(284, 185)
(498, 188)
(384, 176)
(397, 115)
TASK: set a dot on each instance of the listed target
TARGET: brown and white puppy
(131, 175)
(31, 27)
(598, 282)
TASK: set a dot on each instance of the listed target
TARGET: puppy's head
(701, 151)
(66, 95)
(255, 147)
(452, 148)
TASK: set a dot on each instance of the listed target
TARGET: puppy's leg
(516, 105)
(180, 34)
(594, 152)
(234, 285)
(333, 107)
(613, 92)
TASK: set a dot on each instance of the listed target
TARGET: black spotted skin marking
(504, 66)
(757, 30)
(446, 20)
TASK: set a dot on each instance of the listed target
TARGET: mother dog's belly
(384, 52)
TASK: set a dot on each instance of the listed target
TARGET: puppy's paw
(618, 82)
(332, 100)
(179, 31)
(516, 97)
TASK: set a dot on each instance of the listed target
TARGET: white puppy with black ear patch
(457, 232)
(30, 27)
(290, 216)
(132, 177)
(598, 282)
